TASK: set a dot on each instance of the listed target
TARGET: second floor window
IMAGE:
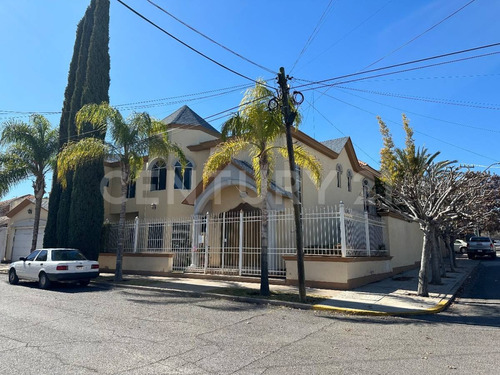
(159, 176)
(131, 190)
(183, 180)
(349, 180)
(339, 175)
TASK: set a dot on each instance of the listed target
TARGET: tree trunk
(121, 224)
(423, 278)
(451, 252)
(451, 247)
(264, 228)
(436, 270)
(39, 189)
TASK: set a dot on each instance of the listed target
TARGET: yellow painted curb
(433, 310)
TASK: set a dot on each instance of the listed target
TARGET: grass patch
(276, 296)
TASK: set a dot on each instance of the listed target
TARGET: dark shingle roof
(186, 116)
(336, 144)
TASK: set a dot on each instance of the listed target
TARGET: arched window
(366, 194)
(349, 180)
(339, 175)
(159, 176)
(183, 180)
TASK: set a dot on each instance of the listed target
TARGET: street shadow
(166, 298)
(64, 287)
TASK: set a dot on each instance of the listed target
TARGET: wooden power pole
(289, 115)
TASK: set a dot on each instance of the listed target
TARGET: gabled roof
(186, 117)
(336, 144)
(24, 204)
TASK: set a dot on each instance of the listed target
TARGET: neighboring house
(204, 226)
(16, 226)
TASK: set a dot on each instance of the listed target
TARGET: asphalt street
(74, 330)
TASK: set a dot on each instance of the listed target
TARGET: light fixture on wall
(30, 211)
(153, 206)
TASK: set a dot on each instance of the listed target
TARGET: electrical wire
(419, 35)
(461, 103)
(419, 114)
(185, 44)
(400, 64)
(416, 131)
(210, 39)
(436, 77)
(313, 34)
(340, 131)
(399, 71)
(348, 33)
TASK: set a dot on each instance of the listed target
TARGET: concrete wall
(151, 264)
(404, 241)
(337, 272)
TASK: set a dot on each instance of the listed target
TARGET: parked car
(481, 246)
(460, 246)
(497, 244)
(48, 265)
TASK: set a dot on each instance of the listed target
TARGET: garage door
(22, 242)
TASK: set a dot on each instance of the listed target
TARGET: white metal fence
(230, 242)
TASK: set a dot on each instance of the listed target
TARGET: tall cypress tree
(50, 238)
(75, 105)
(87, 209)
(76, 213)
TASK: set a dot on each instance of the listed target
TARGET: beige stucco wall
(152, 263)
(339, 272)
(404, 240)
(169, 201)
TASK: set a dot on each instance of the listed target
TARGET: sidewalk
(392, 296)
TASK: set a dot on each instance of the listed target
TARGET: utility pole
(289, 115)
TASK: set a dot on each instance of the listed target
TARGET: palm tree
(30, 152)
(130, 140)
(257, 130)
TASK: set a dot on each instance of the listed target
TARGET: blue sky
(453, 108)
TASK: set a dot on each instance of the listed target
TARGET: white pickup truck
(481, 246)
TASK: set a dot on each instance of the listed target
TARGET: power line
(340, 131)
(349, 32)
(461, 103)
(398, 71)
(138, 104)
(416, 131)
(419, 114)
(185, 44)
(401, 64)
(313, 34)
(419, 35)
(210, 39)
(457, 76)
